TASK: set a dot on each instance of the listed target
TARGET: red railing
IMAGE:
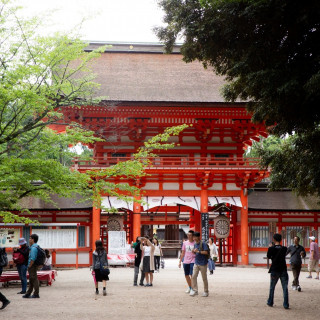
(174, 162)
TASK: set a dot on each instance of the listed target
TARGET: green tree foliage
(269, 53)
(38, 78)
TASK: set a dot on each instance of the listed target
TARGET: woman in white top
(147, 262)
(157, 254)
(213, 255)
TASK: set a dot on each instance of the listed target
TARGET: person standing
(137, 261)
(148, 260)
(213, 255)
(3, 299)
(314, 258)
(33, 268)
(201, 250)
(48, 262)
(21, 257)
(99, 258)
(297, 252)
(157, 254)
(187, 257)
(277, 253)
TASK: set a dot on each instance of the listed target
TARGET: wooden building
(147, 91)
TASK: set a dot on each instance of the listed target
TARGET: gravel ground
(235, 293)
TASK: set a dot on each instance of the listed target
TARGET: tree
(269, 53)
(39, 76)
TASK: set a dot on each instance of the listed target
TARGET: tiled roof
(281, 200)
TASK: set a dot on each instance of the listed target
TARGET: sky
(105, 20)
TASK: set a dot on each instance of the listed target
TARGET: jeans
(194, 282)
(157, 262)
(22, 270)
(33, 281)
(284, 278)
(296, 268)
(211, 265)
(136, 273)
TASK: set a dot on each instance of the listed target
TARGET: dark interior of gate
(170, 225)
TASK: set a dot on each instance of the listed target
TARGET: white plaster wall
(170, 186)
(151, 186)
(216, 186)
(83, 258)
(66, 258)
(88, 236)
(232, 186)
(190, 186)
(257, 257)
(239, 257)
(222, 148)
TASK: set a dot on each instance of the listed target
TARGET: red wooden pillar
(244, 228)
(96, 212)
(136, 219)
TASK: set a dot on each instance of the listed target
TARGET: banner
(117, 242)
(9, 238)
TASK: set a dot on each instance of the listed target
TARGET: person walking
(3, 259)
(100, 259)
(277, 253)
(314, 258)
(201, 250)
(157, 254)
(20, 258)
(137, 262)
(187, 256)
(33, 268)
(148, 260)
(213, 255)
(297, 252)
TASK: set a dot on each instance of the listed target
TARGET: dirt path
(235, 293)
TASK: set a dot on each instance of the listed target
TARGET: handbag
(104, 269)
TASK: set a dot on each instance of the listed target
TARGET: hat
(312, 238)
(197, 234)
(22, 241)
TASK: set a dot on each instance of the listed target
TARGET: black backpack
(41, 257)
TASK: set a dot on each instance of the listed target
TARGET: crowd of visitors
(196, 257)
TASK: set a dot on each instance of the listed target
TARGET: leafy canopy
(269, 53)
(38, 78)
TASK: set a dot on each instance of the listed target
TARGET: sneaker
(188, 290)
(299, 288)
(35, 296)
(97, 292)
(21, 292)
(309, 277)
(141, 284)
(269, 305)
(294, 288)
(26, 296)
(193, 293)
(205, 294)
(104, 292)
(135, 285)
(317, 278)
(4, 304)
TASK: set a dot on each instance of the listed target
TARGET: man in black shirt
(297, 252)
(137, 261)
(278, 269)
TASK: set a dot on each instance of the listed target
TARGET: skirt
(146, 265)
(99, 276)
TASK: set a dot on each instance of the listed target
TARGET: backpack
(3, 258)
(18, 258)
(41, 257)
(208, 251)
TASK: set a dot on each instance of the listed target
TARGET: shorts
(313, 264)
(188, 269)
